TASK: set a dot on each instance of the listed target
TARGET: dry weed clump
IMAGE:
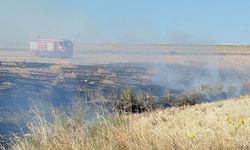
(217, 125)
(130, 101)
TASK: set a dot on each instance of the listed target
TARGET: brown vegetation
(219, 125)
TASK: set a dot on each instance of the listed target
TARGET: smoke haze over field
(206, 75)
(170, 53)
(129, 21)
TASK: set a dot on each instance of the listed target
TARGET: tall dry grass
(218, 125)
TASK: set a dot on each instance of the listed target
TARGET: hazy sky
(126, 21)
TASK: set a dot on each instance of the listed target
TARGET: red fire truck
(61, 48)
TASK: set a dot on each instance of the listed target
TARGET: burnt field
(24, 84)
(168, 77)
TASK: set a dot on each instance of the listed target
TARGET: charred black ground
(24, 83)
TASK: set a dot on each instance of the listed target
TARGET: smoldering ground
(205, 76)
(177, 71)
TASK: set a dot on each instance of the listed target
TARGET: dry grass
(219, 125)
(107, 53)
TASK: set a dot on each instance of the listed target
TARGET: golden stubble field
(231, 57)
(115, 53)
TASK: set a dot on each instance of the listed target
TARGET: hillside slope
(224, 124)
(218, 125)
